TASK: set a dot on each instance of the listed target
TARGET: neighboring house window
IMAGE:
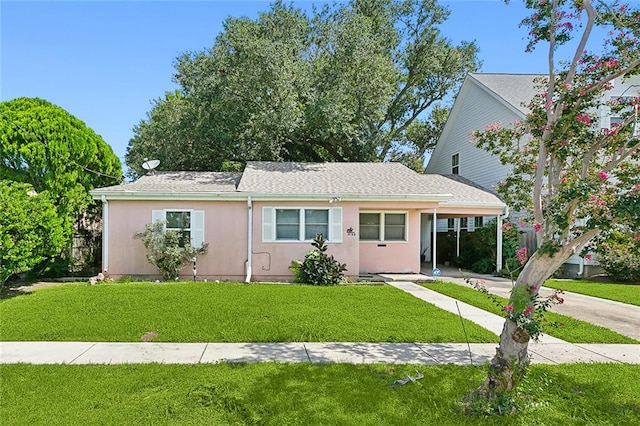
(615, 119)
(451, 223)
(301, 224)
(189, 223)
(455, 164)
(478, 221)
(383, 226)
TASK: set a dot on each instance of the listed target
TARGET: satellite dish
(150, 164)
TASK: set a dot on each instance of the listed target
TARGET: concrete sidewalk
(78, 353)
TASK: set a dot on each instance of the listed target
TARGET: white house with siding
(485, 99)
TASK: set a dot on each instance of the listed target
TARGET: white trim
(105, 234)
(193, 196)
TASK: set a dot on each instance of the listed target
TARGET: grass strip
(229, 312)
(568, 329)
(296, 394)
(625, 293)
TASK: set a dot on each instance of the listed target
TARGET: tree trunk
(511, 360)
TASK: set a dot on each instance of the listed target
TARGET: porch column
(457, 237)
(435, 234)
(499, 244)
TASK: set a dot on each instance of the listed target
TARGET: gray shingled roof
(179, 182)
(465, 190)
(334, 179)
(515, 89)
(309, 179)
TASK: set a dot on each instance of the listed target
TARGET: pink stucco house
(377, 217)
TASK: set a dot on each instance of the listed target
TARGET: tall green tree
(575, 178)
(352, 82)
(30, 229)
(43, 145)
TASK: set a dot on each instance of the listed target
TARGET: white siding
(475, 109)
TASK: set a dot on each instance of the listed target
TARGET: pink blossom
(603, 175)
(584, 118)
(508, 308)
(537, 227)
(521, 254)
(587, 257)
(528, 311)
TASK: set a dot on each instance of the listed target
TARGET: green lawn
(569, 329)
(625, 293)
(229, 312)
(304, 394)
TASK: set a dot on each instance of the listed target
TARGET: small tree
(30, 229)
(319, 268)
(575, 178)
(167, 250)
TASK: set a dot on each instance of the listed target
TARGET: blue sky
(105, 62)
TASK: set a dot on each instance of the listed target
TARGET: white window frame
(269, 224)
(455, 167)
(478, 222)
(463, 221)
(381, 231)
(196, 229)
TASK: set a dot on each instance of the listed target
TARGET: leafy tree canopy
(352, 82)
(44, 146)
(30, 229)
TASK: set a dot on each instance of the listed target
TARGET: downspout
(249, 238)
(580, 268)
(105, 234)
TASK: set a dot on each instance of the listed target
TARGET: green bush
(167, 250)
(618, 254)
(319, 268)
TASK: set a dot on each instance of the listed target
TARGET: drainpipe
(249, 238)
(581, 267)
(105, 234)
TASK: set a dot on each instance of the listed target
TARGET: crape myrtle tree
(585, 179)
(44, 146)
(362, 81)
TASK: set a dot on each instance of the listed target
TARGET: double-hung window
(301, 223)
(455, 164)
(188, 223)
(383, 226)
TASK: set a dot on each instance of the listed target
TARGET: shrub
(619, 255)
(167, 250)
(319, 268)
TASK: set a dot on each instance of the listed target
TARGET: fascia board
(155, 196)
